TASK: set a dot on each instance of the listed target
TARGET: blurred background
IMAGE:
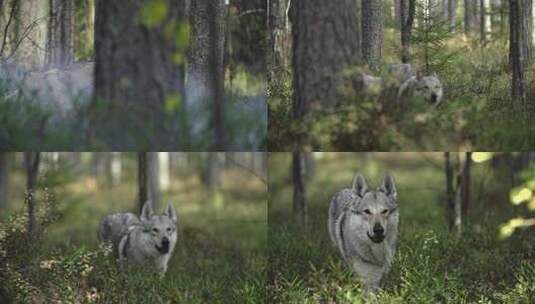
(465, 226)
(220, 199)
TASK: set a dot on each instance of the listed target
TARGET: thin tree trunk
(452, 13)
(515, 56)
(300, 208)
(450, 194)
(4, 179)
(408, 9)
(466, 181)
(153, 178)
(142, 179)
(31, 161)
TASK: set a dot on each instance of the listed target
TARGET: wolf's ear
(419, 75)
(171, 212)
(359, 186)
(389, 187)
(146, 211)
(434, 74)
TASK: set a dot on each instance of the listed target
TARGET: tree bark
(279, 35)
(527, 32)
(153, 178)
(60, 42)
(300, 208)
(452, 13)
(372, 32)
(31, 161)
(142, 179)
(466, 182)
(450, 194)
(4, 179)
(470, 16)
(515, 55)
(205, 64)
(325, 43)
(408, 9)
(137, 72)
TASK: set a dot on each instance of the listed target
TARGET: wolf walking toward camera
(149, 240)
(363, 225)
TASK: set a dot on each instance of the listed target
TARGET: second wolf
(363, 225)
(149, 240)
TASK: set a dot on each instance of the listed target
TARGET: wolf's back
(114, 226)
(339, 203)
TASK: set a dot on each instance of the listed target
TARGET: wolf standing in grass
(149, 240)
(363, 225)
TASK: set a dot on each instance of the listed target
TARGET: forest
(107, 75)
(464, 227)
(51, 204)
(400, 75)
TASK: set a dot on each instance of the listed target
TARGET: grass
(430, 266)
(219, 258)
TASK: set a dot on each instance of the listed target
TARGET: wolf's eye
(168, 229)
(385, 211)
(155, 230)
(367, 211)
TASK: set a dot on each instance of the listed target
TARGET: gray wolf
(429, 87)
(148, 240)
(363, 225)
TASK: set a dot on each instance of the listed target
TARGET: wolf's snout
(434, 97)
(378, 229)
(165, 246)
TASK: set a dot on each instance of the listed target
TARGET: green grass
(430, 266)
(219, 258)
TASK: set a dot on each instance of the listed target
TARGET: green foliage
(430, 38)
(153, 13)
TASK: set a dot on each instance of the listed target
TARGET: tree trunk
(30, 33)
(137, 71)
(372, 32)
(466, 181)
(211, 173)
(527, 32)
(116, 168)
(300, 209)
(279, 36)
(452, 13)
(60, 47)
(31, 161)
(482, 23)
(4, 179)
(397, 13)
(325, 43)
(470, 16)
(205, 65)
(515, 55)
(153, 178)
(164, 170)
(450, 194)
(408, 10)
(142, 179)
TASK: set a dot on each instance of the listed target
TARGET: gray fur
(428, 87)
(352, 229)
(149, 240)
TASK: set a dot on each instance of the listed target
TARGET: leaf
(153, 13)
(172, 103)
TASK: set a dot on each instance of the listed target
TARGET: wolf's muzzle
(378, 234)
(165, 246)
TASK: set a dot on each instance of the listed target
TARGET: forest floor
(219, 257)
(430, 266)
(476, 114)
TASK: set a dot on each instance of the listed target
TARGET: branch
(251, 171)
(11, 17)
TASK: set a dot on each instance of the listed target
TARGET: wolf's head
(375, 211)
(430, 88)
(161, 228)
